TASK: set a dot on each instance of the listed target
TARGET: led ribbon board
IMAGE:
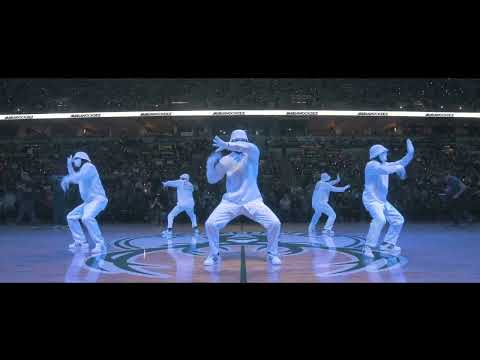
(307, 113)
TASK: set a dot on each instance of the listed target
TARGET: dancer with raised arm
(377, 172)
(320, 197)
(81, 171)
(185, 203)
(242, 197)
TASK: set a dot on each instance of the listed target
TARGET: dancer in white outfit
(242, 197)
(320, 197)
(185, 202)
(375, 200)
(94, 201)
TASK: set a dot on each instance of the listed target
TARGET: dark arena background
(142, 132)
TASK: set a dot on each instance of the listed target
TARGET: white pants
(324, 208)
(87, 212)
(382, 213)
(177, 210)
(255, 210)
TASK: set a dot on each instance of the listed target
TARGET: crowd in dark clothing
(90, 95)
(132, 171)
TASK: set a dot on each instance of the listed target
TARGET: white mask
(383, 157)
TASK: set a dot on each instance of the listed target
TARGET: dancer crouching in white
(94, 199)
(242, 197)
(185, 203)
(320, 204)
(375, 200)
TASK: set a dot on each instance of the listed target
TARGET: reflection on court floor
(139, 253)
(153, 256)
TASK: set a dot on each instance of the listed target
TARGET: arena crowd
(132, 170)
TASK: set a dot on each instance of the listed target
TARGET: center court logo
(138, 256)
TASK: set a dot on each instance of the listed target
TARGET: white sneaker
(211, 260)
(367, 251)
(167, 233)
(328, 232)
(98, 248)
(390, 249)
(83, 245)
(274, 259)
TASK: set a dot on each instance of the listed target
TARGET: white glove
(70, 165)
(402, 173)
(213, 158)
(219, 143)
(410, 148)
(65, 184)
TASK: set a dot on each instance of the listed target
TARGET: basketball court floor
(138, 253)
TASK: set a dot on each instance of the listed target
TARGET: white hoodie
(241, 168)
(322, 192)
(89, 182)
(376, 177)
(184, 192)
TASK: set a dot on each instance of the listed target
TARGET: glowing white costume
(243, 196)
(320, 197)
(94, 201)
(375, 195)
(185, 200)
